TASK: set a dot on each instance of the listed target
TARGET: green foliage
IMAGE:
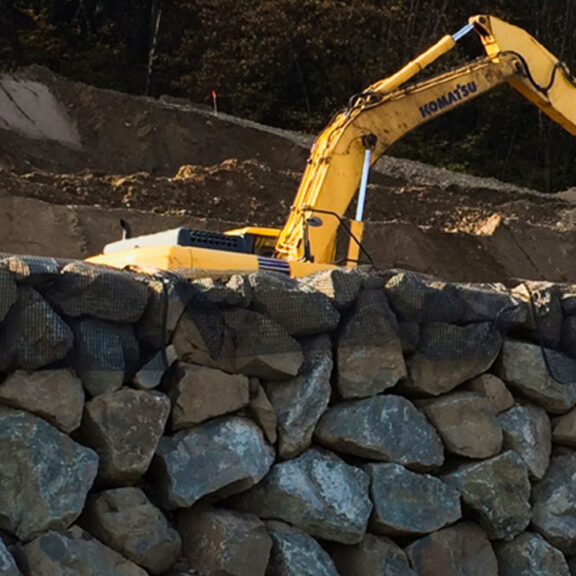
(294, 63)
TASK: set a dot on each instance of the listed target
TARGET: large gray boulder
(564, 429)
(186, 462)
(198, 335)
(461, 550)
(105, 354)
(569, 336)
(8, 566)
(168, 297)
(151, 374)
(8, 293)
(31, 270)
(387, 428)
(530, 555)
(276, 357)
(415, 299)
(219, 541)
(449, 355)
(554, 500)
(410, 504)
(497, 491)
(262, 411)
(466, 423)
(83, 289)
(44, 478)
(527, 431)
(491, 303)
(125, 520)
(341, 285)
(33, 335)
(295, 553)
(199, 393)
(234, 290)
(299, 402)
(544, 303)
(55, 395)
(298, 308)
(124, 427)
(369, 350)
(374, 556)
(494, 389)
(74, 553)
(525, 368)
(316, 492)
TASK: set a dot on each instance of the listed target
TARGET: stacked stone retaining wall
(352, 424)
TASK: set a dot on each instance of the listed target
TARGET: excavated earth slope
(75, 159)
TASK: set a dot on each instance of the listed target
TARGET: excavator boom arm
(384, 113)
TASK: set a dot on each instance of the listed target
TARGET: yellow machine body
(379, 116)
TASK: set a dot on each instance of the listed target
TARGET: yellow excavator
(343, 153)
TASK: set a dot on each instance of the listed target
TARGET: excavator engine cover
(186, 237)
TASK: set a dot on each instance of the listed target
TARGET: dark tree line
(293, 63)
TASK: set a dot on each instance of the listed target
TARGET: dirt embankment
(72, 156)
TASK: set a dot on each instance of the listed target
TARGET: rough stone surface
(75, 553)
(55, 395)
(530, 555)
(527, 431)
(524, 367)
(409, 333)
(448, 355)
(124, 427)
(316, 492)
(33, 335)
(129, 523)
(105, 354)
(199, 393)
(342, 286)
(415, 299)
(276, 357)
(466, 423)
(84, 290)
(461, 550)
(8, 293)
(198, 336)
(554, 500)
(374, 556)
(233, 291)
(8, 566)
(410, 504)
(295, 553)
(151, 374)
(564, 430)
(44, 478)
(166, 304)
(569, 336)
(262, 411)
(494, 389)
(568, 300)
(299, 402)
(497, 490)
(545, 307)
(387, 428)
(31, 270)
(492, 303)
(369, 350)
(219, 541)
(301, 310)
(186, 462)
